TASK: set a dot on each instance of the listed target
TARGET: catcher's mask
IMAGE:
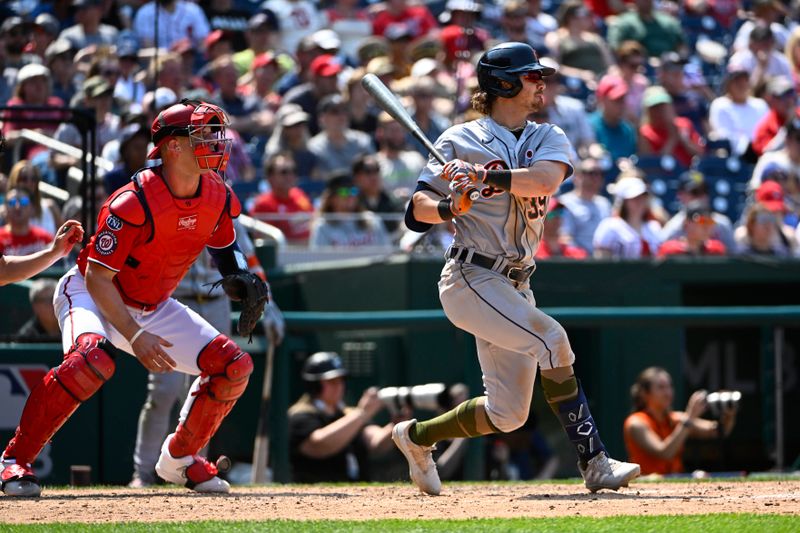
(205, 124)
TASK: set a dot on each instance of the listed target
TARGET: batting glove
(460, 190)
(457, 169)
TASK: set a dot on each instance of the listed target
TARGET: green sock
(455, 423)
(565, 390)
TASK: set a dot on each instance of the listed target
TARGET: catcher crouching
(149, 233)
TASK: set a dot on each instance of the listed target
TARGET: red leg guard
(226, 371)
(61, 391)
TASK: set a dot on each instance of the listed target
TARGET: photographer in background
(329, 441)
(655, 434)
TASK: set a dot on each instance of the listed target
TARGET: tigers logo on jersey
(494, 164)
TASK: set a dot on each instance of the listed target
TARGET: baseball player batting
(484, 287)
(149, 233)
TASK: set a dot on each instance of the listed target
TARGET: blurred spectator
(324, 70)
(372, 193)
(350, 22)
(631, 59)
(329, 442)
(781, 98)
(43, 325)
(300, 72)
(399, 166)
(612, 131)
(58, 58)
(242, 112)
(655, 434)
(32, 89)
(360, 107)
(261, 34)
(698, 227)
(790, 184)
(551, 245)
(629, 233)
(45, 30)
(96, 94)
(89, 30)
(291, 134)
(218, 43)
(167, 71)
(786, 158)
(285, 206)
(657, 31)
(687, 102)
(337, 145)
(768, 13)
(416, 17)
(585, 206)
(45, 212)
(693, 188)
(665, 134)
(399, 37)
(792, 53)
(512, 22)
(18, 236)
(174, 20)
(576, 45)
(761, 58)
(567, 113)
(227, 15)
(764, 230)
(15, 34)
(735, 114)
(430, 122)
(537, 25)
(342, 221)
(128, 88)
(298, 19)
(265, 71)
(133, 143)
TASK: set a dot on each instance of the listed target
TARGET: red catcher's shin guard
(62, 390)
(226, 371)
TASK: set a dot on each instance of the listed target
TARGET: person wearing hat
(584, 206)
(298, 19)
(611, 129)
(552, 244)
(735, 114)
(324, 71)
(58, 58)
(96, 94)
(336, 143)
(32, 88)
(15, 36)
(697, 238)
(781, 97)
(416, 17)
(329, 441)
(787, 157)
(177, 19)
(261, 35)
(291, 135)
(342, 221)
(629, 233)
(656, 30)
(46, 28)
(686, 101)
(89, 30)
(662, 133)
(763, 232)
(692, 188)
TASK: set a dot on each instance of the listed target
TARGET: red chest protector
(179, 230)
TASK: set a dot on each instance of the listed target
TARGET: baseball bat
(261, 443)
(389, 103)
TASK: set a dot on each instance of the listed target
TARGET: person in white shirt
(585, 207)
(629, 233)
(177, 19)
(298, 18)
(761, 58)
(734, 115)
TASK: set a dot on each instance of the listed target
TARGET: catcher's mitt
(252, 292)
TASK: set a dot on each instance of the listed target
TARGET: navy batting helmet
(323, 365)
(504, 63)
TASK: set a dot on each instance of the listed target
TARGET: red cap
(455, 39)
(174, 120)
(213, 38)
(770, 194)
(611, 88)
(262, 60)
(326, 65)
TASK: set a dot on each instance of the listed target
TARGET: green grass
(709, 523)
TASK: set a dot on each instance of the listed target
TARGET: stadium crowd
(683, 115)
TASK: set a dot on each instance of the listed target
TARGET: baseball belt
(516, 273)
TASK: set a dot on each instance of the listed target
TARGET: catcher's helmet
(323, 365)
(505, 62)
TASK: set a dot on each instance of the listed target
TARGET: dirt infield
(401, 501)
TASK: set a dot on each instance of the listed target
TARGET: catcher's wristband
(499, 179)
(444, 207)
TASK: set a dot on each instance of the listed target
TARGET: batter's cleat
(421, 467)
(18, 480)
(602, 472)
(191, 471)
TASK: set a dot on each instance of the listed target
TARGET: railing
(777, 317)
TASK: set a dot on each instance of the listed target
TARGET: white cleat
(421, 467)
(602, 472)
(18, 480)
(191, 471)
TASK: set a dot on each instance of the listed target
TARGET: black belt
(514, 273)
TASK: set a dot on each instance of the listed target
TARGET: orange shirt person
(655, 434)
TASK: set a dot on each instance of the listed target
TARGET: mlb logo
(187, 223)
(16, 383)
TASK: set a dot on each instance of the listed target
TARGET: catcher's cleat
(421, 467)
(602, 472)
(191, 471)
(18, 480)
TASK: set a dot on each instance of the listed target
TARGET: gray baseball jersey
(499, 223)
